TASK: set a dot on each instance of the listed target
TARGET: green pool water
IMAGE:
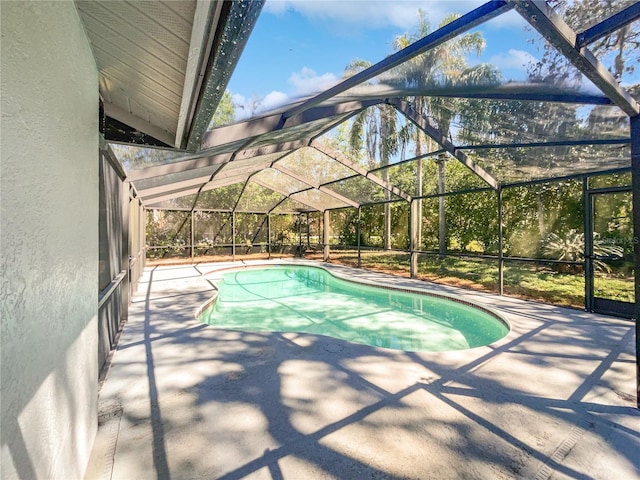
(311, 300)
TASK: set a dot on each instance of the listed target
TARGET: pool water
(311, 300)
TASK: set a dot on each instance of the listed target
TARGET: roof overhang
(164, 65)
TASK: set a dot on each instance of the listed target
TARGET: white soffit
(147, 54)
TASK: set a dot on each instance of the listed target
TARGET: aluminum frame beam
(253, 128)
(484, 146)
(211, 178)
(278, 191)
(228, 43)
(190, 163)
(207, 15)
(234, 157)
(552, 27)
(423, 123)
(288, 195)
(337, 196)
(534, 97)
(112, 158)
(318, 187)
(275, 148)
(338, 157)
(168, 195)
(609, 25)
(559, 143)
(202, 161)
(295, 176)
(161, 189)
(348, 108)
(270, 212)
(269, 187)
(460, 25)
(635, 183)
(244, 187)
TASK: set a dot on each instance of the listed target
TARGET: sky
(302, 47)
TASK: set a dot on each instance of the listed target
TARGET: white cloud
(274, 100)
(513, 60)
(250, 107)
(241, 106)
(307, 81)
(364, 14)
(238, 99)
(508, 20)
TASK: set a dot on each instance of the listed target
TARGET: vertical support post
(500, 244)
(233, 236)
(387, 223)
(300, 235)
(587, 204)
(635, 188)
(269, 234)
(141, 223)
(326, 233)
(193, 235)
(130, 241)
(414, 235)
(308, 234)
(358, 232)
(419, 189)
(143, 236)
(125, 252)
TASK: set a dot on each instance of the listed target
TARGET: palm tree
(375, 130)
(444, 65)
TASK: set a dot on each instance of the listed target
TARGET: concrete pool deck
(553, 399)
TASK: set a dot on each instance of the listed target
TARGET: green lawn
(521, 279)
(615, 288)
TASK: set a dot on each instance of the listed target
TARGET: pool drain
(333, 348)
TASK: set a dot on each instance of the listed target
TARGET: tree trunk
(442, 237)
(387, 213)
(419, 191)
(384, 160)
(541, 225)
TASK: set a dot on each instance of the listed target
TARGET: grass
(545, 285)
(186, 260)
(615, 288)
(521, 279)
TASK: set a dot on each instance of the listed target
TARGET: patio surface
(554, 399)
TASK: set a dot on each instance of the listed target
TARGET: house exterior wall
(48, 240)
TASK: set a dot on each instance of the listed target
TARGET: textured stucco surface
(49, 209)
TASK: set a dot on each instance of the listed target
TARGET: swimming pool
(311, 300)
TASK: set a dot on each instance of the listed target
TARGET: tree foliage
(619, 50)
(225, 112)
(542, 221)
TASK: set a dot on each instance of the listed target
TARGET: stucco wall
(49, 235)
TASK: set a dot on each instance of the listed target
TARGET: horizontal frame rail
(107, 291)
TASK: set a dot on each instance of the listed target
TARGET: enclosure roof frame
(257, 136)
(608, 25)
(551, 26)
